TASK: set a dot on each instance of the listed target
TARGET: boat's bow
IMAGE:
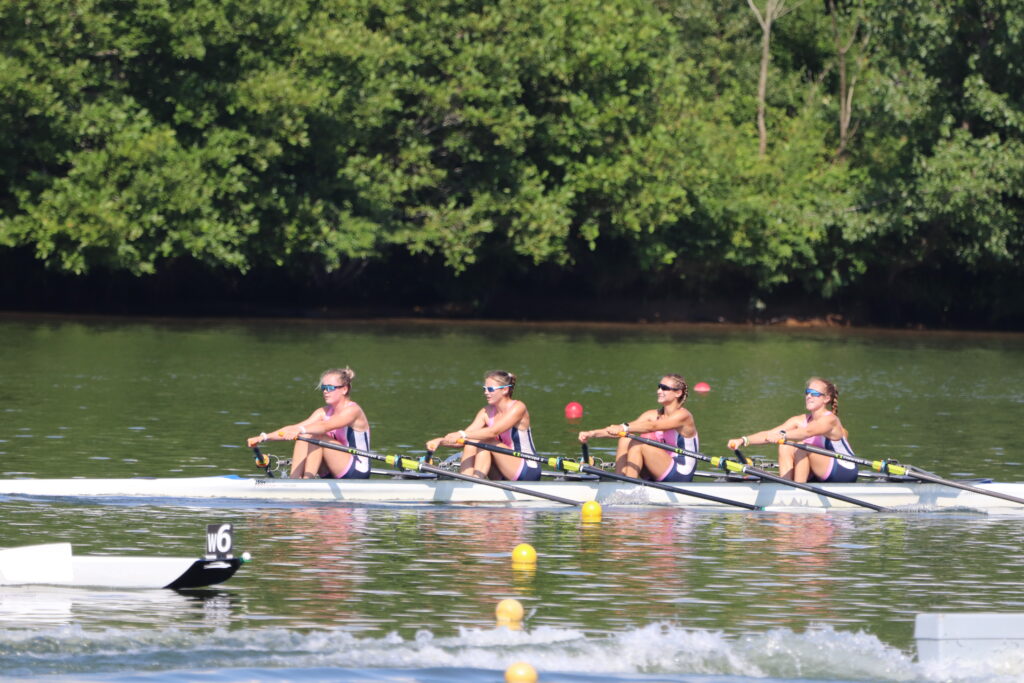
(53, 564)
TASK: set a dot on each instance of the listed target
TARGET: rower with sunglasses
(819, 426)
(504, 421)
(341, 420)
(670, 423)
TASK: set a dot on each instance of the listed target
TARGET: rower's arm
(451, 439)
(785, 429)
(637, 424)
(502, 423)
(288, 432)
(343, 418)
(652, 421)
(820, 426)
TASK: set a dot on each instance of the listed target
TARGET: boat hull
(54, 564)
(387, 491)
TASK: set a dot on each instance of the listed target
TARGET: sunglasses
(813, 392)
(330, 387)
(491, 390)
(665, 387)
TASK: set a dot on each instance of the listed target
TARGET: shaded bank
(406, 287)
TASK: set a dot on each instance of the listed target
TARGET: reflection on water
(384, 569)
(22, 606)
(420, 576)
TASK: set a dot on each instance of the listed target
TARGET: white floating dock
(945, 637)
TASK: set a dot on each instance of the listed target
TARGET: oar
(573, 466)
(887, 467)
(417, 466)
(266, 462)
(733, 466)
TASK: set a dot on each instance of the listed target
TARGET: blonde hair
(504, 377)
(347, 375)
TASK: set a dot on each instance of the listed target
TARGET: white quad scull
(909, 495)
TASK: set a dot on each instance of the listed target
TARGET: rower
(503, 421)
(819, 427)
(670, 423)
(340, 421)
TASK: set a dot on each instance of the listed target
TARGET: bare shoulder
(652, 414)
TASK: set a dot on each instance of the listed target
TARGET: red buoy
(702, 387)
(573, 411)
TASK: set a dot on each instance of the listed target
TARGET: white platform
(960, 636)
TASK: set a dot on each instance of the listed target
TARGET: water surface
(385, 593)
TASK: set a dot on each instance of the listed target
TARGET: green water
(116, 398)
(119, 398)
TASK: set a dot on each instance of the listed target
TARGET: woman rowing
(670, 423)
(504, 421)
(340, 421)
(819, 426)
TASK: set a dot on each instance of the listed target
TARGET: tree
(766, 18)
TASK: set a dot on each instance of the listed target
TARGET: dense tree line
(847, 153)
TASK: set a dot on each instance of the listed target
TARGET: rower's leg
(794, 464)
(508, 466)
(629, 459)
(656, 461)
(299, 455)
(314, 461)
(476, 462)
(821, 465)
(786, 462)
(335, 463)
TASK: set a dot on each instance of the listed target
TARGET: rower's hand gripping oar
(418, 466)
(887, 467)
(573, 466)
(741, 468)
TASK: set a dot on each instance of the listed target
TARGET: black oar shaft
(588, 469)
(924, 476)
(878, 465)
(905, 470)
(747, 469)
(424, 467)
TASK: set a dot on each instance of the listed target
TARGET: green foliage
(557, 134)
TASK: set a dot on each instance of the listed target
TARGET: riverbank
(402, 290)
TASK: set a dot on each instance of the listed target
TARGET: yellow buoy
(591, 511)
(524, 554)
(520, 672)
(509, 609)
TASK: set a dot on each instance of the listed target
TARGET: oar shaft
(906, 470)
(747, 469)
(418, 466)
(877, 465)
(588, 469)
(924, 476)
(807, 487)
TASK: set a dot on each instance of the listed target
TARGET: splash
(665, 650)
